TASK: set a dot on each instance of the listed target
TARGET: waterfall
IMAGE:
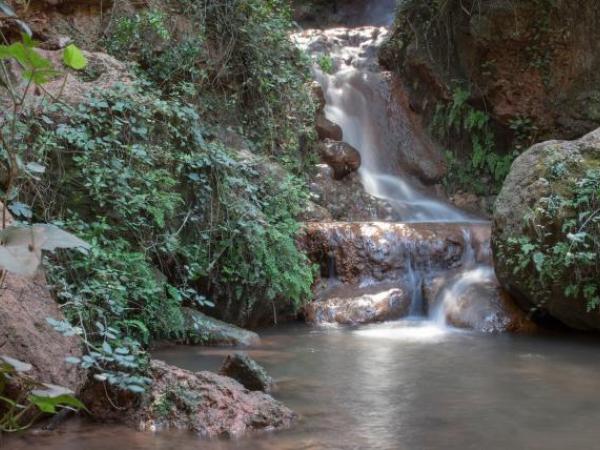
(363, 101)
(357, 97)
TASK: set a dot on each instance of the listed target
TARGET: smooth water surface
(401, 385)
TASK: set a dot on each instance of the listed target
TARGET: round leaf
(74, 58)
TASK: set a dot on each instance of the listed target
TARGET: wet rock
(351, 305)
(388, 251)
(326, 129)
(346, 199)
(541, 175)
(247, 371)
(202, 329)
(340, 156)
(318, 96)
(467, 201)
(205, 403)
(488, 308)
(475, 300)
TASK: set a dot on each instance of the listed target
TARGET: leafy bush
(234, 58)
(173, 216)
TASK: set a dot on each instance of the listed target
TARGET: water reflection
(404, 385)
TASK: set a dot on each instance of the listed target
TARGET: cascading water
(357, 96)
(362, 100)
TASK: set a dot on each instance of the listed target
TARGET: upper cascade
(397, 157)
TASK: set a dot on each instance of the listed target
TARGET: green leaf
(52, 397)
(136, 389)
(15, 364)
(34, 167)
(538, 260)
(20, 210)
(48, 404)
(74, 58)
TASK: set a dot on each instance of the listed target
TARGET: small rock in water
(247, 372)
(205, 330)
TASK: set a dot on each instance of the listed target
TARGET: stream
(414, 383)
(400, 385)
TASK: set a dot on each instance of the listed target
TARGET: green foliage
(74, 58)
(326, 63)
(234, 58)
(459, 122)
(35, 399)
(566, 249)
(172, 216)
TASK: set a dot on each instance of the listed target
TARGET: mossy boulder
(247, 372)
(546, 231)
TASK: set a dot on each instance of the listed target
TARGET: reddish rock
(326, 129)
(203, 402)
(345, 199)
(340, 156)
(525, 63)
(318, 96)
(27, 336)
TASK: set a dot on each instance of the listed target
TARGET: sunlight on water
(418, 331)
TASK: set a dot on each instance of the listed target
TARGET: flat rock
(352, 305)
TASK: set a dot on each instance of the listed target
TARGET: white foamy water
(357, 99)
(406, 330)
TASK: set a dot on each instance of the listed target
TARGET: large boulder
(205, 403)
(202, 329)
(546, 231)
(340, 156)
(352, 305)
(523, 60)
(473, 299)
(247, 371)
(26, 335)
